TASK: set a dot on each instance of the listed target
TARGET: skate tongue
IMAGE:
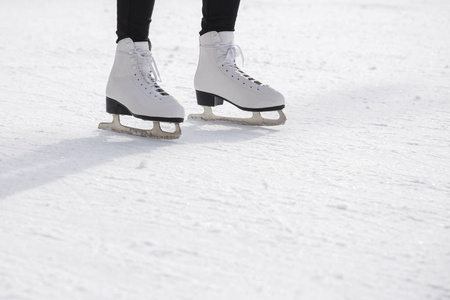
(227, 37)
(213, 37)
(142, 45)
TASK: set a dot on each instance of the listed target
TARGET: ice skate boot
(218, 79)
(133, 90)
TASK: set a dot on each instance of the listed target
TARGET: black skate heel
(207, 99)
(114, 107)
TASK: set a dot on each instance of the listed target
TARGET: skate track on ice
(349, 200)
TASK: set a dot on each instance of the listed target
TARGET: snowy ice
(349, 200)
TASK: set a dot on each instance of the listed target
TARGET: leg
(219, 15)
(133, 19)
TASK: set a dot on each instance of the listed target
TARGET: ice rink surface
(349, 200)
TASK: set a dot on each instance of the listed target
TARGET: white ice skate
(218, 79)
(133, 90)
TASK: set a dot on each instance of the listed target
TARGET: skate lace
(227, 57)
(147, 65)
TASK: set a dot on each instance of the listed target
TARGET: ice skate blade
(155, 132)
(255, 120)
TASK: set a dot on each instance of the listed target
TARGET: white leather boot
(218, 79)
(133, 90)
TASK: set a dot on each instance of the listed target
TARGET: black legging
(134, 17)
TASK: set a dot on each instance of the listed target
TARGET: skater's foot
(133, 89)
(218, 78)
